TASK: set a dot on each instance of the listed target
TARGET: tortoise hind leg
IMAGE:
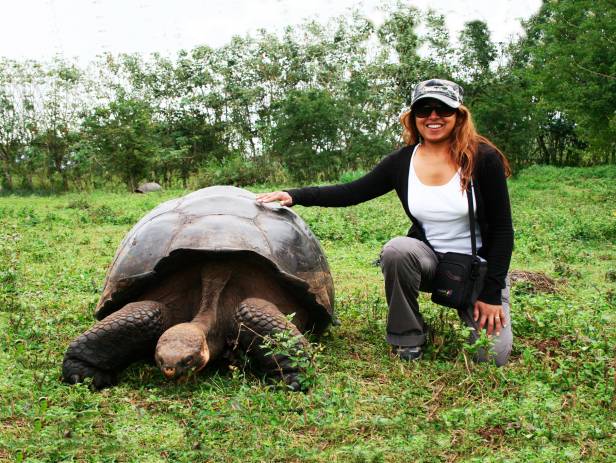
(113, 343)
(257, 320)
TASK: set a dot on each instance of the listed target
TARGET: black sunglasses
(424, 110)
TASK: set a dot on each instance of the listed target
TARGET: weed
(565, 270)
(79, 203)
(301, 357)
(350, 175)
(9, 274)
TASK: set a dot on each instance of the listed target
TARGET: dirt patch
(13, 423)
(547, 346)
(536, 281)
(5, 455)
(493, 435)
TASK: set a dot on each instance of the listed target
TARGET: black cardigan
(492, 197)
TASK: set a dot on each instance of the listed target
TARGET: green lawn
(554, 402)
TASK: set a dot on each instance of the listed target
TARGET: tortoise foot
(76, 371)
(273, 342)
(114, 343)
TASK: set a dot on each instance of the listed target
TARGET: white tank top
(442, 211)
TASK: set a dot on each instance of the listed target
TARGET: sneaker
(408, 353)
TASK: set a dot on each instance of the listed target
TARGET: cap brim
(442, 98)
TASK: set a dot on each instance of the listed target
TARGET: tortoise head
(181, 349)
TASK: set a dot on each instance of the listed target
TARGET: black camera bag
(459, 277)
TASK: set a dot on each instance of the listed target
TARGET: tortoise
(148, 187)
(200, 277)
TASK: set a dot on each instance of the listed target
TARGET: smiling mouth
(434, 126)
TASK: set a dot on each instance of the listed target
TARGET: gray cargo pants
(408, 266)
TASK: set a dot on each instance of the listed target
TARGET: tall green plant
(17, 115)
(570, 50)
(123, 137)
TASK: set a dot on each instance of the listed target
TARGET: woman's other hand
(282, 196)
(492, 316)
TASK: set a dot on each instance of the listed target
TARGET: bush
(350, 175)
(237, 171)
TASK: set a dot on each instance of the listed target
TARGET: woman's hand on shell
(489, 315)
(282, 196)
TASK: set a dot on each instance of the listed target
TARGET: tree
(477, 52)
(398, 36)
(63, 96)
(570, 47)
(438, 60)
(498, 97)
(122, 136)
(305, 133)
(17, 115)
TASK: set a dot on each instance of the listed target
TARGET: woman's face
(435, 120)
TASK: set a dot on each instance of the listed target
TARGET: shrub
(237, 171)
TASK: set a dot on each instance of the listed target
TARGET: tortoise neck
(214, 278)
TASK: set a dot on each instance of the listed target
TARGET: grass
(553, 402)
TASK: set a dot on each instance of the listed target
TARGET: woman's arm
(497, 213)
(375, 183)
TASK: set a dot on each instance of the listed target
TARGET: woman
(430, 175)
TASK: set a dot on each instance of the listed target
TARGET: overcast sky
(84, 28)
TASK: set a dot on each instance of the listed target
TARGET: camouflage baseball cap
(443, 90)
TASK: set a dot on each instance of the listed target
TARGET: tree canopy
(309, 103)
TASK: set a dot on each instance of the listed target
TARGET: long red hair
(464, 142)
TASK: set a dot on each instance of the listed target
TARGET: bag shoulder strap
(471, 216)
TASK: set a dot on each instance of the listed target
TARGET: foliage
(554, 401)
(9, 269)
(306, 131)
(17, 115)
(478, 51)
(285, 343)
(234, 170)
(122, 135)
(313, 100)
(552, 102)
(570, 60)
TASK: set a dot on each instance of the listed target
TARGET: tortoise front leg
(113, 343)
(257, 320)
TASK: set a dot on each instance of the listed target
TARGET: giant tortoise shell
(220, 219)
